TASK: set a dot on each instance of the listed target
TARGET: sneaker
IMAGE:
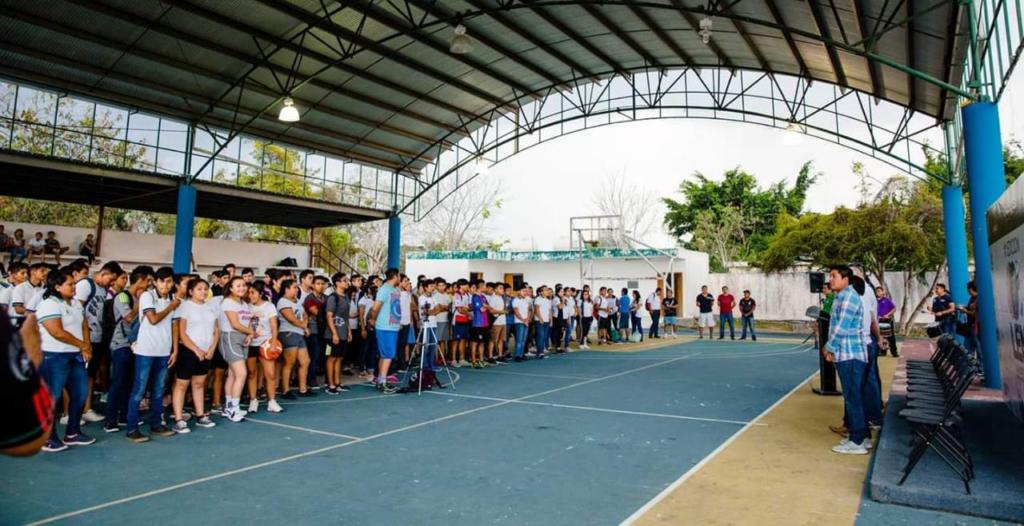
(849, 448)
(205, 421)
(392, 379)
(110, 427)
(92, 416)
(542, 356)
(290, 395)
(476, 365)
(237, 415)
(137, 436)
(254, 406)
(81, 439)
(456, 364)
(464, 363)
(64, 421)
(307, 394)
(387, 388)
(53, 445)
(274, 407)
(342, 389)
(161, 431)
(332, 390)
(181, 428)
(839, 430)
(186, 416)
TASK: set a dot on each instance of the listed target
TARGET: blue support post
(394, 241)
(954, 223)
(183, 225)
(986, 181)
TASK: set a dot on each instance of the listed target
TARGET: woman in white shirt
(586, 318)
(368, 342)
(198, 334)
(235, 335)
(264, 315)
(65, 342)
(293, 323)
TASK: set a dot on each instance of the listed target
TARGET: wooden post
(99, 229)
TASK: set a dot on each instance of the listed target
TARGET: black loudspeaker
(817, 282)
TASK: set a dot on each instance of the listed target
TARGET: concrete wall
(605, 272)
(133, 248)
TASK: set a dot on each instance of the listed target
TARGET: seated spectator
(36, 247)
(16, 246)
(52, 246)
(87, 249)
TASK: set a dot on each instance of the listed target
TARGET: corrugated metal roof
(397, 90)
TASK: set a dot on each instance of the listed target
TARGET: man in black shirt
(747, 306)
(944, 309)
(705, 302)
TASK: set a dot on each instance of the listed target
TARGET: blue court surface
(582, 438)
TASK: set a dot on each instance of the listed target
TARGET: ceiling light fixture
(288, 113)
(482, 166)
(705, 30)
(794, 134)
(461, 44)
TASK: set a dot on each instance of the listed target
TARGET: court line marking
(698, 466)
(300, 428)
(600, 409)
(216, 476)
(335, 400)
(558, 376)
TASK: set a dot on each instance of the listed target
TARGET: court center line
(600, 409)
(296, 456)
(698, 466)
(300, 428)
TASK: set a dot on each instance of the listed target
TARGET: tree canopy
(734, 218)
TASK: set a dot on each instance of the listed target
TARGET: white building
(599, 267)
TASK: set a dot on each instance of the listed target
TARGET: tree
(616, 195)
(459, 221)
(710, 208)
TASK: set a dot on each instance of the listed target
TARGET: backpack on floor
(614, 335)
(424, 380)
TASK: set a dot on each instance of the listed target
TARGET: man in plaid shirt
(846, 348)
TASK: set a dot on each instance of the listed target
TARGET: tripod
(426, 339)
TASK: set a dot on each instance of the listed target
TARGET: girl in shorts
(235, 336)
(293, 327)
(198, 334)
(264, 316)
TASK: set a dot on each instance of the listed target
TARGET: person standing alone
(726, 303)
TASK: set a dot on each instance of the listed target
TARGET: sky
(546, 185)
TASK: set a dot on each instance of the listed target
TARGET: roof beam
(248, 58)
(911, 58)
(550, 18)
(513, 26)
(874, 69)
(171, 111)
(661, 34)
(436, 10)
(621, 35)
(695, 26)
(955, 12)
(251, 85)
(777, 17)
(314, 20)
(826, 32)
(187, 95)
(741, 29)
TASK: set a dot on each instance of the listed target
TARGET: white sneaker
(849, 448)
(181, 428)
(866, 443)
(464, 363)
(92, 416)
(237, 415)
(64, 421)
(254, 406)
(274, 407)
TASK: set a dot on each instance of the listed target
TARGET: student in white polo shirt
(152, 352)
(66, 350)
(24, 295)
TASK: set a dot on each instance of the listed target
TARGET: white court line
(559, 376)
(260, 465)
(600, 409)
(335, 400)
(299, 428)
(697, 467)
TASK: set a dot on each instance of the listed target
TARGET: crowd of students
(152, 340)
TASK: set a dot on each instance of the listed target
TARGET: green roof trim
(539, 255)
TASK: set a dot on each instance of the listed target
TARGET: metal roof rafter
(573, 35)
(608, 24)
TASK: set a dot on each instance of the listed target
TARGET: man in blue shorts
(387, 311)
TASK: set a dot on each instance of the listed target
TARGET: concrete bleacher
(132, 249)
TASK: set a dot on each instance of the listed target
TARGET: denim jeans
(748, 321)
(570, 332)
(520, 329)
(149, 370)
(542, 336)
(18, 254)
(316, 346)
(120, 384)
(638, 326)
(655, 323)
(585, 324)
(368, 354)
(851, 376)
(66, 370)
(724, 318)
(429, 349)
(872, 392)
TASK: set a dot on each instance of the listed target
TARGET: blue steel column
(183, 224)
(983, 151)
(394, 241)
(953, 223)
